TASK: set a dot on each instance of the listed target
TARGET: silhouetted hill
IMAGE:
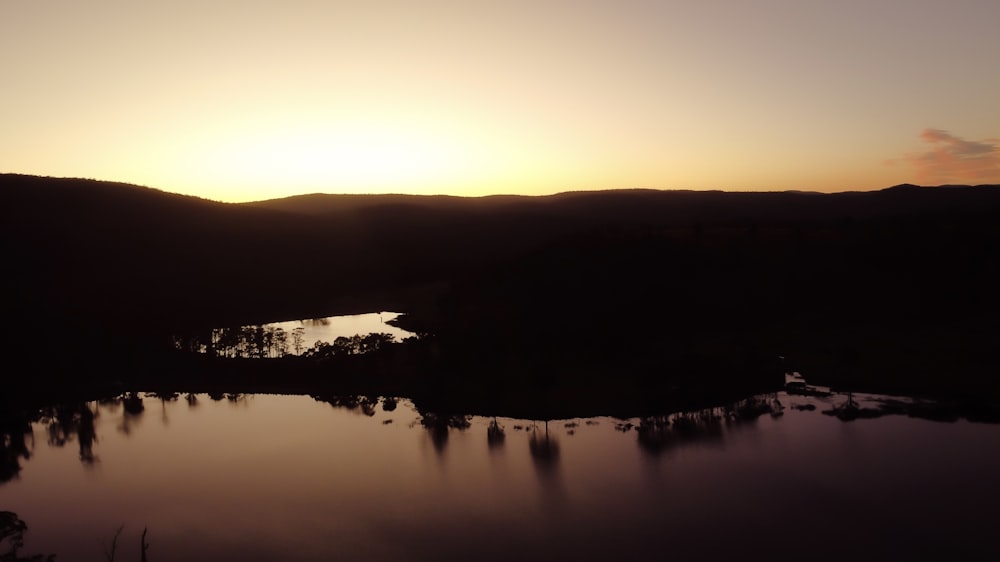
(678, 207)
(637, 281)
(115, 250)
(322, 204)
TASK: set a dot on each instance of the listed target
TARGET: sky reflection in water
(288, 477)
(330, 328)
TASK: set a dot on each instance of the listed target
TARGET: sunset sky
(239, 100)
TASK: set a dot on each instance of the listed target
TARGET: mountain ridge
(665, 275)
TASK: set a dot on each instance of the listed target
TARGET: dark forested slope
(639, 280)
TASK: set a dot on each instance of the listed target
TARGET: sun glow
(371, 158)
(497, 97)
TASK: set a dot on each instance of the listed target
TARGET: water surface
(267, 477)
(292, 337)
(330, 328)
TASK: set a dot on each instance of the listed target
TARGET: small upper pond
(293, 337)
(295, 478)
(332, 327)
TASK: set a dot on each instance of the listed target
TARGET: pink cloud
(950, 159)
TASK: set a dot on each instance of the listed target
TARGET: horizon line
(494, 195)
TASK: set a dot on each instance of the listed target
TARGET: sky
(239, 100)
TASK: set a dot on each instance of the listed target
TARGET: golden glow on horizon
(364, 159)
(235, 102)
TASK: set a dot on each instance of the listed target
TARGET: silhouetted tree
(280, 342)
(298, 336)
(12, 530)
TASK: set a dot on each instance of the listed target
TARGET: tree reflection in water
(164, 398)
(65, 422)
(14, 446)
(350, 402)
(438, 425)
(86, 435)
(656, 434)
(661, 434)
(544, 448)
(494, 434)
(133, 404)
(134, 408)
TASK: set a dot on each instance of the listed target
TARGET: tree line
(271, 342)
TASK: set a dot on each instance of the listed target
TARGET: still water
(330, 328)
(270, 477)
(293, 337)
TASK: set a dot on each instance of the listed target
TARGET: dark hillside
(665, 286)
(96, 268)
(674, 207)
(901, 302)
(112, 250)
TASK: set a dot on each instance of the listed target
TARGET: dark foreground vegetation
(12, 530)
(579, 303)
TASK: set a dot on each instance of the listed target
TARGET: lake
(293, 337)
(274, 477)
(330, 328)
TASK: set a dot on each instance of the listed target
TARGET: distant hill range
(105, 247)
(638, 205)
(101, 258)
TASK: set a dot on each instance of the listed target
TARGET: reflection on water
(357, 333)
(264, 477)
(332, 327)
(495, 435)
(544, 447)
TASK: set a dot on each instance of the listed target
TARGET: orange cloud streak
(951, 158)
